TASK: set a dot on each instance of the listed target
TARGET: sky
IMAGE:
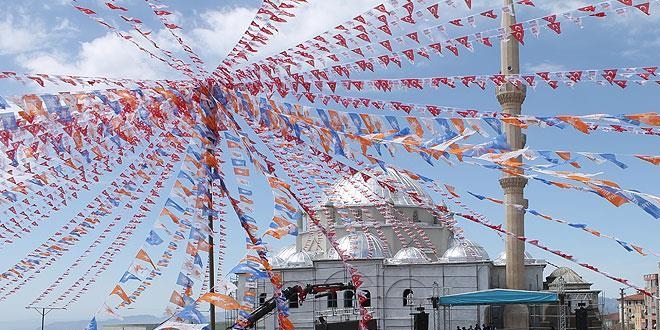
(51, 37)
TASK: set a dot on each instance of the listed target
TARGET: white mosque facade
(399, 274)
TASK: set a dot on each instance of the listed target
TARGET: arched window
(415, 216)
(262, 298)
(367, 298)
(407, 297)
(348, 299)
(332, 300)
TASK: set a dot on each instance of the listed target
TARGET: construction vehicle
(290, 294)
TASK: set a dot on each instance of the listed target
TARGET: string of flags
(503, 231)
(359, 32)
(258, 33)
(626, 245)
(621, 77)
(60, 148)
(328, 135)
(371, 61)
(171, 61)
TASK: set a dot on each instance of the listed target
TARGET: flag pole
(211, 254)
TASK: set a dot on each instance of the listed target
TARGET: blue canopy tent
(499, 297)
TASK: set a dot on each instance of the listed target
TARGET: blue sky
(52, 37)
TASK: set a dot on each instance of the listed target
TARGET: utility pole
(511, 98)
(623, 307)
(43, 311)
(211, 254)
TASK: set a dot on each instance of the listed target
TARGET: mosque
(406, 252)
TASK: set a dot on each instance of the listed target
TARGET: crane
(290, 293)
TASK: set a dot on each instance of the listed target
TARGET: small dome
(354, 191)
(500, 260)
(286, 252)
(569, 276)
(465, 250)
(410, 255)
(299, 260)
(276, 262)
(359, 246)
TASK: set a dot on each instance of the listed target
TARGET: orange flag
(168, 213)
(120, 292)
(220, 300)
(650, 118)
(651, 159)
(144, 257)
(575, 122)
(177, 299)
(285, 323)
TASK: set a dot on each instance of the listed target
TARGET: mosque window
(407, 297)
(367, 300)
(348, 299)
(415, 216)
(332, 300)
(262, 298)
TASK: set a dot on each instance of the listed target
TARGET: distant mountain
(136, 319)
(65, 325)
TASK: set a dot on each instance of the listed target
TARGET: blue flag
(612, 158)
(198, 261)
(173, 204)
(184, 281)
(92, 324)
(128, 276)
(646, 205)
(154, 239)
(3, 103)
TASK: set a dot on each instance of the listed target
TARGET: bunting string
(173, 62)
(79, 226)
(319, 46)
(276, 183)
(537, 244)
(160, 10)
(264, 25)
(107, 255)
(604, 188)
(577, 16)
(627, 246)
(620, 77)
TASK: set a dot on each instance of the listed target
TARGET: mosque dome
(465, 250)
(299, 259)
(500, 260)
(569, 276)
(276, 261)
(354, 191)
(409, 255)
(360, 245)
(286, 252)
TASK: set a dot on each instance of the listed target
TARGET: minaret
(511, 99)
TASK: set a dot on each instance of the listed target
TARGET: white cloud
(560, 6)
(21, 35)
(542, 67)
(108, 56)
(219, 30)
(314, 19)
